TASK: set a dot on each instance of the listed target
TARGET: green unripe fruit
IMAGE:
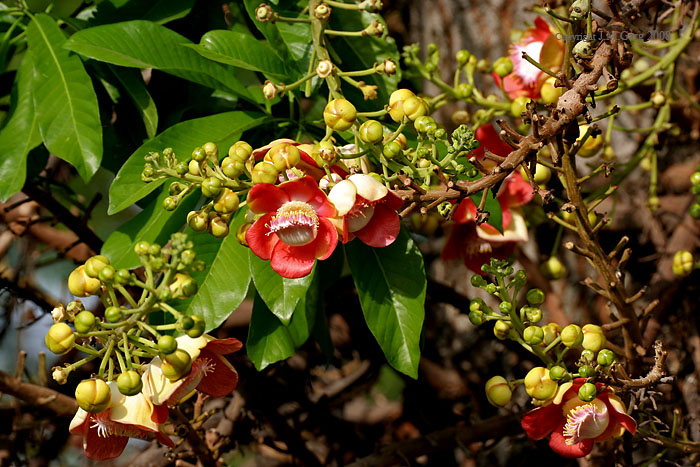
(503, 66)
(93, 395)
(84, 321)
(182, 168)
(198, 328)
(227, 202)
(587, 355)
(176, 365)
(240, 151)
(170, 203)
(80, 285)
(557, 372)
(198, 221)
(501, 329)
(264, 172)
(371, 132)
(211, 187)
(587, 392)
(535, 297)
(218, 227)
(533, 335)
(539, 385)
(107, 274)
(211, 150)
(606, 357)
(129, 383)
(283, 156)
(391, 150)
(60, 338)
(498, 391)
(141, 248)
(593, 338)
(683, 263)
(113, 314)
(476, 317)
(122, 277)
(167, 344)
(414, 107)
(464, 90)
(94, 265)
(572, 336)
(339, 114)
(505, 307)
(533, 314)
(199, 155)
(553, 269)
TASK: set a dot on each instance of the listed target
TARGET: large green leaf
(391, 284)
(136, 88)
(224, 284)
(280, 294)
(143, 44)
(241, 50)
(154, 225)
(158, 11)
(223, 129)
(64, 99)
(20, 133)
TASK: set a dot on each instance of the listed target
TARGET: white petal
(516, 231)
(134, 410)
(368, 187)
(343, 196)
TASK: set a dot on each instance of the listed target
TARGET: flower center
(106, 427)
(360, 215)
(585, 421)
(478, 247)
(295, 223)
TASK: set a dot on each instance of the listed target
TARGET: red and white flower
(106, 433)
(575, 425)
(366, 210)
(294, 229)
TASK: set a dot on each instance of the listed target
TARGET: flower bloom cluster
(106, 432)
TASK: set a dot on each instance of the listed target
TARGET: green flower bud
(157, 264)
(553, 269)
(84, 321)
(167, 344)
(608, 154)
(198, 328)
(339, 114)
(478, 280)
(498, 391)
(533, 335)
(154, 249)
(658, 99)
(193, 168)
(211, 187)
(683, 263)
(695, 178)
(535, 297)
(593, 338)
(502, 329)
(371, 132)
(476, 304)
(93, 395)
(264, 172)
(232, 168)
(606, 357)
(476, 317)
(227, 202)
(129, 383)
(551, 332)
(587, 392)
(503, 66)
(107, 274)
(80, 285)
(176, 365)
(60, 338)
(533, 314)
(199, 154)
(491, 288)
(557, 372)
(585, 371)
(94, 265)
(587, 355)
(212, 151)
(463, 57)
(186, 322)
(283, 156)
(539, 385)
(483, 65)
(198, 221)
(694, 210)
(218, 227)
(189, 286)
(141, 248)
(391, 150)
(122, 277)
(572, 336)
(170, 203)
(464, 90)
(241, 231)
(165, 295)
(519, 106)
(505, 307)
(113, 314)
(520, 278)
(182, 168)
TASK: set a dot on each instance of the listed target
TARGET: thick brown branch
(38, 396)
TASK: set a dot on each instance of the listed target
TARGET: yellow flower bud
(683, 263)
(551, 332)
(572, 335)
(498, 391)
(339, 114)
(593, 337)
(396, 101)
(80, 284)
(60, 338)
(549, 93)
(539, 385)
(93, 395)
(283, 156)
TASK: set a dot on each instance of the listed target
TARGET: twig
(38, 396)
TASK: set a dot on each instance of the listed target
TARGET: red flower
(366, 210)
(105, 434)
(211, 373)
(477, 244)
(540, 44)
(575, 425)
(294, 230)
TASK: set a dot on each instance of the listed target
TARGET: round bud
(147, 172)
(154, 249)
(462, 57)
(683, 263)
(694, 211)
(193, 168)
(572, 336)
(167, 344)
(198, 328)
(170, 203)
(107, 274)
(498, 391)
(211, 150)
(241, 231)
(557, 372)
(585, 371)
(182, 168)
(141, 248)
(371, 132)
(269, 90)
(476, 304)
(122, 276)
(533, 314)
(176, 364)
(396, 101)
(129, 383)
(284, 156)
(94, 265)
(414, 107)
(421, 123)
(587, 392)
(339, 114)
(211, 187)
(695, 178)
(93, 395)
(551, 332)
(232, 168)
(264, 172)
(519, 106)
(542, 174)
(186, 322)
(533, 335)
(606, 357)
(218, 227)
(440, 133)
(483, 65)
(501, 329)
(505, 307)
(608, 154)
(593, 338)
(84, 321)
(199, 154)
(503, 66)
(587, 355)
(535, 297)
(553, 269)
(227, 202)
(165, 295)
(539, 385)
(476, 317)
(478, 281)
(198, 221)
(491, 288)
(240, 151)
(189, 286)
(464, 90)
(60, 338)
(157, 264)
(113, 314)
(658, 99)
(550, 94)
(80, 285)
(391, 150)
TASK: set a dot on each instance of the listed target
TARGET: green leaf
(154, 225)
(224, 129)
(64, 99)
(391, 284)
(143, 44)
(158, 11)
(136, 88)
(224, 285)
(493, 207)
(20, 133)
(241, 50)
(280, 294)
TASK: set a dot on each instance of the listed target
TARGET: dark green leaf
(136, 88)
(391, 284)
(65, 102)
(143, 44)
(280, 294)
(158, 11)
(223, 129)
(20, 133)
(154, 225)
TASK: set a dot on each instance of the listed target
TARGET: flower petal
(98, 448)
(489, 139)
(265, 197)
(558, 444)
(223, 346)
(259, 153)
(306, 189)
(326, 239)
(515, 232)
(382, 229)
(259, 238)
(368, 187)
(540, 422)
(343, 196)
(135, 411)
(516, 191)
(293, 262)
(465, 212)
(456, 240)
(222, 380)
(79, 420)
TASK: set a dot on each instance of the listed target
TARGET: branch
(654, 376)
(38, 396)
